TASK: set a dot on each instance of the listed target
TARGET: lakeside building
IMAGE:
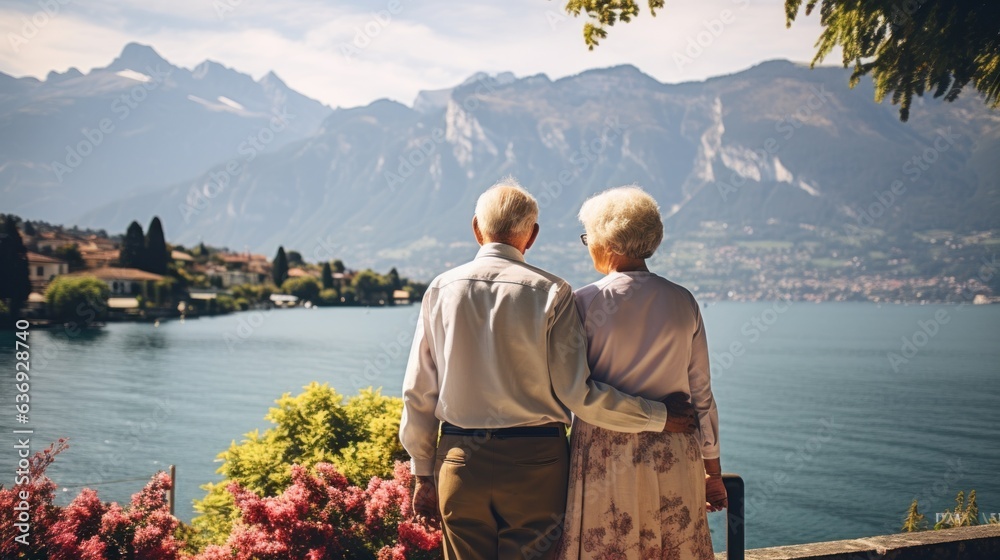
(122, 281)
(43, 268)
(100, 258)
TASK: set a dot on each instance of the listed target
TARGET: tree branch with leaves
(908, 47)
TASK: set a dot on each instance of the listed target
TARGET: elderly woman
(641, 495)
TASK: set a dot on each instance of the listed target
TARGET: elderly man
(498, 363)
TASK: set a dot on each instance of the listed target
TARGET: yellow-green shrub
(359, 436)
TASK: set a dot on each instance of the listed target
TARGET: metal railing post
(173, 485)
(735, 517)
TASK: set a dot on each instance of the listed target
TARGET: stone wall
(963, 543)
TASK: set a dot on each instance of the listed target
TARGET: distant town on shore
(54, 274)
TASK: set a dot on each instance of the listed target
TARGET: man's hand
(715, 493)
(425, 503)
(680, 414)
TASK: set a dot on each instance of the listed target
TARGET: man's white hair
(623, 220)
(506, 211)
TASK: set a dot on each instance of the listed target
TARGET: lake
(837, 415)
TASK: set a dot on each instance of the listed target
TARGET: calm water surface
(833, 438)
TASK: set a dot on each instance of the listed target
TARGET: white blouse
(646, 337)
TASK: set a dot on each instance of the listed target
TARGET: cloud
(352, 53)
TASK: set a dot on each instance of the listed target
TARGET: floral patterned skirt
(635, 497)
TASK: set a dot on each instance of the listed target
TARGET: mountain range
(75, 141)
(778, 145)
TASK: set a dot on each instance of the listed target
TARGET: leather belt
(503, 433)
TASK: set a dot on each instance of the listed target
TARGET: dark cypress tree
(29, 229)
(15, 284)
(157, 256)
(394, 280)
(133, 248)
(279, 267)
(327, 276)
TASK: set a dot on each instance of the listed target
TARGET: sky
(349, 53)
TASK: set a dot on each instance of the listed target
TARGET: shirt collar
(501, 250)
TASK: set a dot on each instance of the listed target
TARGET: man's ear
(531, 240)
(475, 230)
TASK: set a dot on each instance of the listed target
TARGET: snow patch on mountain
(133, 75)
(226, 101)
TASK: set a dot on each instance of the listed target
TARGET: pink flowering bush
(39, 511)
(321, 516)
(88, 529)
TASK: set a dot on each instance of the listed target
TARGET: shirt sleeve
(594, 402)
(418, 428)
(699, 377)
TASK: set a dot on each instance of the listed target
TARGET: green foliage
(909, 47)
(913, 46)
(305, 288)
(328, 298)
(338, 266)
(370, 287)
(224, 304)
(604, 14)
(163, 290)
(295, 258)
(254, 293)
(327, 276)
(915, 521)
(71, 254)
(360, 437)
(156, 255)
(373, 444)
(77, 297)
(133, 247)
(347, 294)
(279, 267)
(15, 283)
(393, 279)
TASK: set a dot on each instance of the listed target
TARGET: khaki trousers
(501, 499)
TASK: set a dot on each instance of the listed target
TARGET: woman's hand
(715, 493)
